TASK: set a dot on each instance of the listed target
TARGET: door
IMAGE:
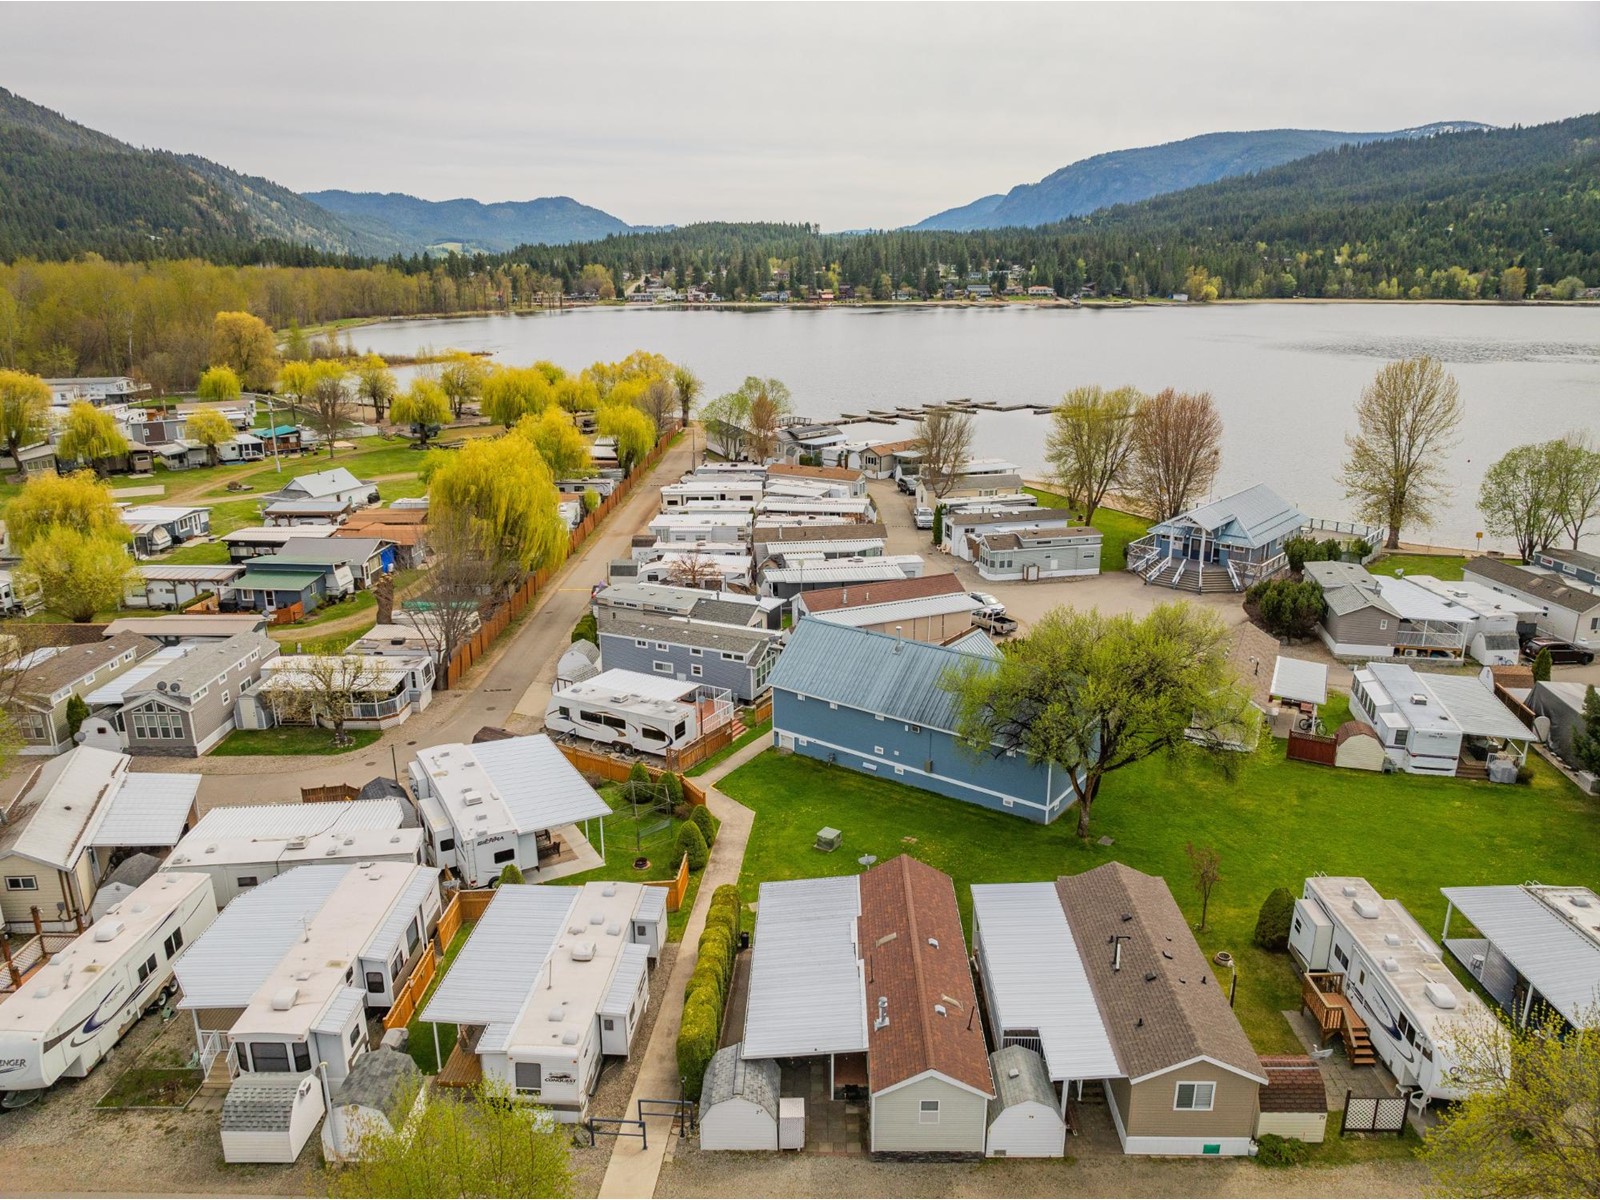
(785, 741)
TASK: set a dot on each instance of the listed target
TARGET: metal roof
(490, 979)
(184, 573)
(1473, 707)
(49, 820)
(836, 570)
(807, 991)
(633, 964)
(742, 640)
(159, 514)
(1553, 943)
(295, 820)
(652, 905)
(1030, 1085)
(872, 672)
(976, 641)
(540, 788)
(336, 1014)
(1255, 517)
(276, 581)
(900, 610)
(1036, 980)
(1297, 679)
(230, 961)
(114, 691)
(732, 1076)
(323, 551)
(149, 809)
(306, 506)
(392, 932)
(278, 533)
(324, 483)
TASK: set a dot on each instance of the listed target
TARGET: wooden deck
(1322, 995)
(462, 1069)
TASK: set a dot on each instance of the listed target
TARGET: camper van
(70, 1012)
(648, 713)
(1394, 976)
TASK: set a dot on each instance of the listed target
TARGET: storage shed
(1024, 1121)
(363, 1103)
(268, 1118)
(739, 1102)
(1294, 1104)
(1358, 748)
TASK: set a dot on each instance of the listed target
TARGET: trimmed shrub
(511, 874)
(1289, 608)
(697, 1040)
(587, 629)
(1275, 1151)
(693, 843)
(707, 992)
(1361, 548)
(639, 774)
(1541, 666)
(1272, 925)
(77, 712)
(705, 823)
(674, 787)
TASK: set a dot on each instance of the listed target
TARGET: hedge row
(707, 992)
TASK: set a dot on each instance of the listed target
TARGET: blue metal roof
(872, 672)
(1254, 517)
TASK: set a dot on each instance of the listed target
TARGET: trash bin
(744, 939)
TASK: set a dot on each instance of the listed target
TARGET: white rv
(648, 713)
(71, 1011)
(1394, 977)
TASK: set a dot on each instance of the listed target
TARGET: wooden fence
(464, 908)
(1524, 714)
(1309, 747)
(617, 770)
(333, 793)
(760, 711)
(501, 616)
(700, 749)
(677, 887)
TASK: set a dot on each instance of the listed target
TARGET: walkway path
(634, 1168)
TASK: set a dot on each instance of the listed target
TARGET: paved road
(509, 689)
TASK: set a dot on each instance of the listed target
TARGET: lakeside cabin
(1226, 544)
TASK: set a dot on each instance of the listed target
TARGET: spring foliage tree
(557, 440)
(686, 384)
(1091, 442)
(219, 385)
(504, 501)
(375, 384)
(90, 435)
(242, 342)
(24, 411)
(511, 393)
(1520, 496)
(325, 687)
(632, 430)
(1177, 450)
(423, 406)
(211, 429)
(462, 377)
(78, 501)
(1094, 693)
(1396, 468)
(79, 573)
(728, 417)
(1586, 741)
(330, 408)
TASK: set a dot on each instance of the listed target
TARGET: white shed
(364, 1102)
(1024, 1116)
(268, 1119)
(739, 1102)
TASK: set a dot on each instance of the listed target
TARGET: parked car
(988, 601)
(995, 622)
(1562, 654)
(923, 518)
(908, 486)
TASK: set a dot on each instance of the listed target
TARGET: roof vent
(1367, 908)
(364, 865)
(569, 1038)
(559, 1012)
(614, 928)
(107, 931)
(1391, 939)
(941, 1010)
(1419, 698)
(470, 796)
(1440, 995)
(1013, 1073)
(349, 841)
(934, 942)
(583, 952)
(1578, 901)
(211, 849)
(139, 908)
(1150, 977)
(43, 990)
(609, 890)
(330, 852)
(302, 976)
(296, 843)
(283, 999)
(597, 918)
(1391, 964)
(1349, 889)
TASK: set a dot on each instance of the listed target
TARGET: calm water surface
(1285, 376)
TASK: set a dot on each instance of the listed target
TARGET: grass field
(152, 1087)
(754, 733)
(1274, 824)
(291, 740)
(1440, 566)
(1117, 528)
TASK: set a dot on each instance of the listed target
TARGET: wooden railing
(702, 748)
(677, 887)
(1315, 988)
(463, 908)
(333, 793)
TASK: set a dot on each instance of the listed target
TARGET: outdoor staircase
(1358, 1044)
(738, 727)
(1196, 577)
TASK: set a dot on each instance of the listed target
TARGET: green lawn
(152, 1087)
(291, 740)
(419, 1034)
(754, 733)
(1118, 528)
(1440, 566)
(1274, 824)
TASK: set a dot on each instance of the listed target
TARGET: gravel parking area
(63, 1146)
(695, 1173)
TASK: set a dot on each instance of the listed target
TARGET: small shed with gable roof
(1294, 1104)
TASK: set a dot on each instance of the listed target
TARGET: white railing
(1429, 638)
(1233, 577)
(213, 1043)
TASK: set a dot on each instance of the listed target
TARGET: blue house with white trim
(1225, 544)
(872, 703)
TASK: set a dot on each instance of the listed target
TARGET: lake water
(1285, 376)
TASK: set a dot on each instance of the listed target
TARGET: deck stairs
(1185, 574)
(1322, 996)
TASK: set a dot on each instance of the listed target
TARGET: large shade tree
(554, 435)
(1396, 469)
(944, 439)
(1091, 443)
(90, 435)
(1177, 450)
(243, 342)
(79, 501)
(80, 574)
(1093, 693)
(24, 411)
(504, 499)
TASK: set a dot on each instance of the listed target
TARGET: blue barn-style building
(872, 703)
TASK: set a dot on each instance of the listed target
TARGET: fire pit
(641, 864)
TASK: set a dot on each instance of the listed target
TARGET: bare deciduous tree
(1205, 867)
(325, 689)
(1576, 467)
(1406, 422)
(1091, 443)
(762, 442)
(694, 570)
(461, 585)
(945, 439)
(1177, 450)
(660, 403)
(330, 408)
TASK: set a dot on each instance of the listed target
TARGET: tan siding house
(1150, 1109)
(929, 1114)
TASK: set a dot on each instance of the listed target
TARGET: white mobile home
(1434, 724)
(241, 847)
(1354, 942)
(649, 713)
(1501, 620)
(70, 1012)
(497, 802)
(700, 526)
(552, 981)
(737, 491)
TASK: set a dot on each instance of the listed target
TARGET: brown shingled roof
(883, 592)
(40, 682)
(906, 906)
(812, 532)
(1546, 587)
(1164, 1005)
(844, 474)
(1294, 1085)
(894, 447)
(1520, 676)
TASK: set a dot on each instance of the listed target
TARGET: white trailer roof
(293, 820)
(540, 788)
(490, 979)
(1036, 979)
(1553, 942)
(1297, 679)
(244, 945)
(807, 990)
(149, 809)
(114, 691)
(633, 964)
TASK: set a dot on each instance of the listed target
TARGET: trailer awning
(1299, 680)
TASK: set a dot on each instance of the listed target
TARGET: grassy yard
(1274, 824)
(152, 1087)
(754, 733)
(1440, 566)
(291, 740)
(1118, 528)
(419, 1035)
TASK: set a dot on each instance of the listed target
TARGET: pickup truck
(996, 623)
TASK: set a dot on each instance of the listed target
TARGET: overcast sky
(849, 115)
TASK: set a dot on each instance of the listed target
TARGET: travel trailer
(1351, 940)
(648, 713)
(70, 1012)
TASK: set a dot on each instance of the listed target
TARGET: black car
(1562, 654)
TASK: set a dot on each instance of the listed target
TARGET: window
(608, 1024)
(157, 722)
(530, 1077)
(1401, 736)
(227, 696)
(696, 652)
(1383, 623)
(147, 968)
(446, 844)
(928, 1112)
(877, 749)
(729, 656)
(504, 856)
(269, 1056)
(22, 883)
(33, 725)
(173, 943)
(302, 1056)
(413, 935)
(375, 982)
(679, 729)
(899, 770)
(355, 1033)
(913, 728)
(653, 735)
(1340, 957)
(661, 668)
(638, 931)
(397, 967)
(661, 645)
(697, 670)
(642, 643)
(1194, 1097)
(877, 716)
(246, 881)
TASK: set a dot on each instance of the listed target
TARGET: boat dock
(915, 412)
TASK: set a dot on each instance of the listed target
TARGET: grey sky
(849, 115)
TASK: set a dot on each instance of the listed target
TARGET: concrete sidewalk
(634, 1169)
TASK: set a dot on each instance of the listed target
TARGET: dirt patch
(152, 1087)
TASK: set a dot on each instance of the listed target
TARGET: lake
(1284, 376)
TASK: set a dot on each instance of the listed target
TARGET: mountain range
(469, 224)
(1128, 176)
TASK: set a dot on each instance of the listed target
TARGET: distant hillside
(469, 224)
(65, 189)
(1128, 176)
